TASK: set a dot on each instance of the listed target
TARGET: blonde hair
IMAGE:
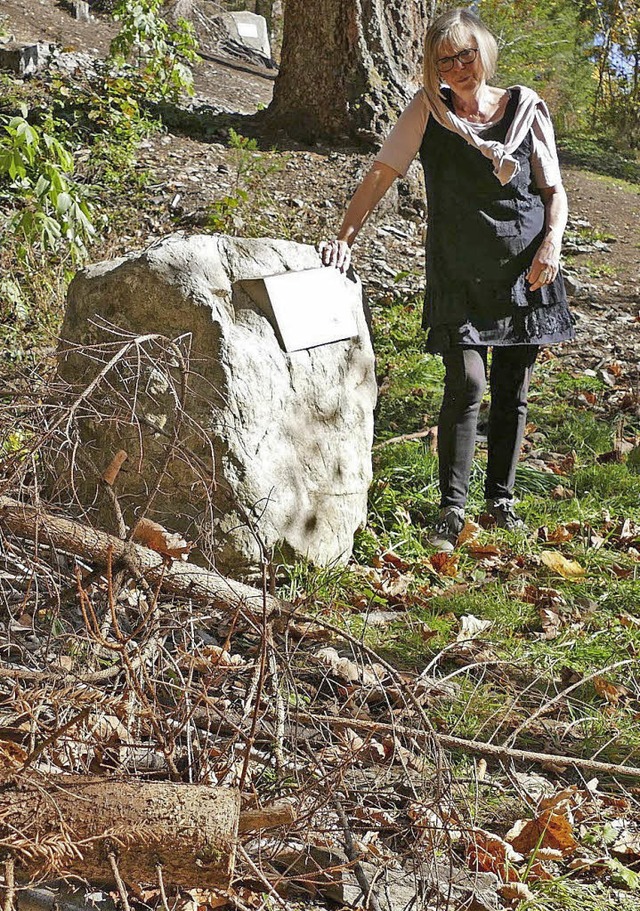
(456, 26)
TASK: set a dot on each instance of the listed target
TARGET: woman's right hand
(336, 253)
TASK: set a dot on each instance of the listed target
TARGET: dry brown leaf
(156, 537)
(567, 797)
(426, 633)
(471, 627)
(515, 892)
(445, 564)
(551, 623)
(629, 620)
(552, 828)
(12, 756)
(627, 844)
(612, 692)
(539, 873)
(209, 658)
(206, 898)
(469, 533)
(375, 815)
(548, 854)
(111, 472)
(542, 596)
(390, 559)
(490, 854)
(307, 629)
(561, 493)
(23, 624)
(110, 729)
(568, 569)
(367, 675)
(560, 535)
(484, 550)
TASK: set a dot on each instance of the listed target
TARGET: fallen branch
(178, 577)
(474, 746)
(405, 438)
(279, 813)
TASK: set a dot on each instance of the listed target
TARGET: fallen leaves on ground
(350, 671)
(568, 569)
(552, 828)
(472, 627)
(612, 692)
(490, 854)
(445, 564)
(156, 537)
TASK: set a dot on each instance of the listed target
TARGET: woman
(497, 212)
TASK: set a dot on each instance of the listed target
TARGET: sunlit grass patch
(568, 895)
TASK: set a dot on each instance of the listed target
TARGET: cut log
(69, 825)
(177, 577)
(279, 813)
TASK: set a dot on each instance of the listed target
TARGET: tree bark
(68, 825)
(176, 577)
(348, 67)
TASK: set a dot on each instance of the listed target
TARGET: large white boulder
(274, 451)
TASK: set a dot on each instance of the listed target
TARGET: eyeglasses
(467, 56)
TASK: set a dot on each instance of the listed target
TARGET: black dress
(481, 240)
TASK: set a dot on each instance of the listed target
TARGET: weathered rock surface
(275, 446)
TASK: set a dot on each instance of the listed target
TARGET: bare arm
(546, 262)
(370, 191)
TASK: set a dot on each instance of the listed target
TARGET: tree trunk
(68, 825)
(178, 9)
(348, 67)
(265, 8)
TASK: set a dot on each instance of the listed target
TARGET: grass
(599, 156)
(513, 669)
(565, 895)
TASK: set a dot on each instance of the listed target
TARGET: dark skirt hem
(544, 326)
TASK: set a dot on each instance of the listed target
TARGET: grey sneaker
(447, 529)
(502, 511)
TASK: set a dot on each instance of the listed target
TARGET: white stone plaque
(312, 307)
(247, 29)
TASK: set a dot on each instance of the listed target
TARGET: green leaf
(622, 876)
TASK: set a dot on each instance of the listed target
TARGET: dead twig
(476, 746)
(9, 885)
(122, 889)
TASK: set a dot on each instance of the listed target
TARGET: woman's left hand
(545, 265)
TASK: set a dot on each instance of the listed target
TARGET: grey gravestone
(81, 10)
(285, 436)
(24, 59)
(252, 30)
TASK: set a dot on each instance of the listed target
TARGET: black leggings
(465, 383)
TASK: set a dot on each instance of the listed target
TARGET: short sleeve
(544, 157)
(404, 141)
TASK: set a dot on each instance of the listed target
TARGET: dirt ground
(307, 190)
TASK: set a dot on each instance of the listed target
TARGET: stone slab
(252, 30)
(308, 308)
